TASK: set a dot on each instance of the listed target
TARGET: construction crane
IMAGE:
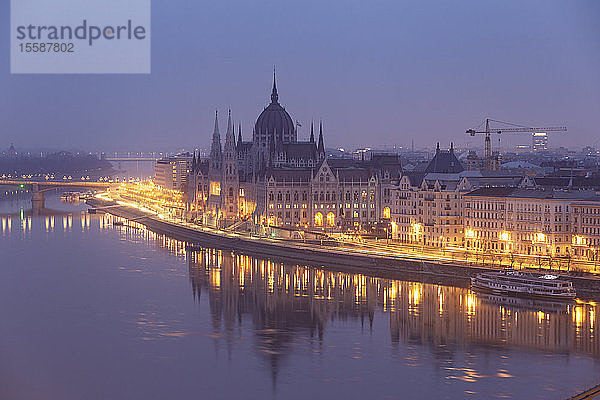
(514, 128)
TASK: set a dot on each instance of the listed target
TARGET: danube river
(96, 311)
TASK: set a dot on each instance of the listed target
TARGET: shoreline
(346, 260)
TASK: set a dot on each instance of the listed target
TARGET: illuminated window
(215, 188)
(386, 213)
(318, 219)
(331, 219)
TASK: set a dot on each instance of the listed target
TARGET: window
(318, 219)
(386, 213)
(331, 219)
(215, 188)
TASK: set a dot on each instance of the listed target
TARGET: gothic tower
(321, 145)
(230, 179)
(215, 174)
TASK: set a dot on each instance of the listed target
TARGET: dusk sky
(377, 73)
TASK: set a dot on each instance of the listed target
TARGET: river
(96, 311)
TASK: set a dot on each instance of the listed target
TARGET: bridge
(38, 200)
(138, 159)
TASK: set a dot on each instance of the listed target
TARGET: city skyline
(426, 75)
(299, 199)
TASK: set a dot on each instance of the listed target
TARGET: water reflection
(278, 309)
(284, 299)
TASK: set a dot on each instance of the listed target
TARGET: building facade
(533, 222)
(279, 180)
(173, 172)
(428, 208)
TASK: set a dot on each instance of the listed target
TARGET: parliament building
(276, 179)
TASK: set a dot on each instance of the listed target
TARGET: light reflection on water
(370, 329)
(426, 313)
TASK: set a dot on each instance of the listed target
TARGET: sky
(378, 73)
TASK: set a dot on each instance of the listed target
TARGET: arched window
(331, 219)
(230, 192)
(318, 219)
(386, 212)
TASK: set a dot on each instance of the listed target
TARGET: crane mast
(516, 128)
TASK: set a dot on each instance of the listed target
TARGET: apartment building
(172, 172)
(530, 221)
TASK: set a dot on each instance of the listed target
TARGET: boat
(70, 197)
(523, 284)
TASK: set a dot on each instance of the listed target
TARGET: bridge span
(38, 200)
(137, 159)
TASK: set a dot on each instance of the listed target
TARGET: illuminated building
(428, 206)
(531, 221)
(585, 229)
(539, 141)
(278, 180)
(172, 172)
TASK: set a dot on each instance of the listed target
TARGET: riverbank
(353, 260)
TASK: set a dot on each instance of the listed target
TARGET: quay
(348, 259)
(587, 394)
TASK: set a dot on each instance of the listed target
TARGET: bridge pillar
(38, 200)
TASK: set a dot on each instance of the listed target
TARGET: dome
(275, 120)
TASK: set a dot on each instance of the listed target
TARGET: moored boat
(523, 284)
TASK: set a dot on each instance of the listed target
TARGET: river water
(95, 311)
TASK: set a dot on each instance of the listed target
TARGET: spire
(216, 130)
(321, 147)
(239, 140)
(229, 126)
(215, 148)
(274, 95)
(229, 135)
(451, 147)
(312, 133)
(437, 149)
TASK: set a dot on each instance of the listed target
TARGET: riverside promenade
(386, 264)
